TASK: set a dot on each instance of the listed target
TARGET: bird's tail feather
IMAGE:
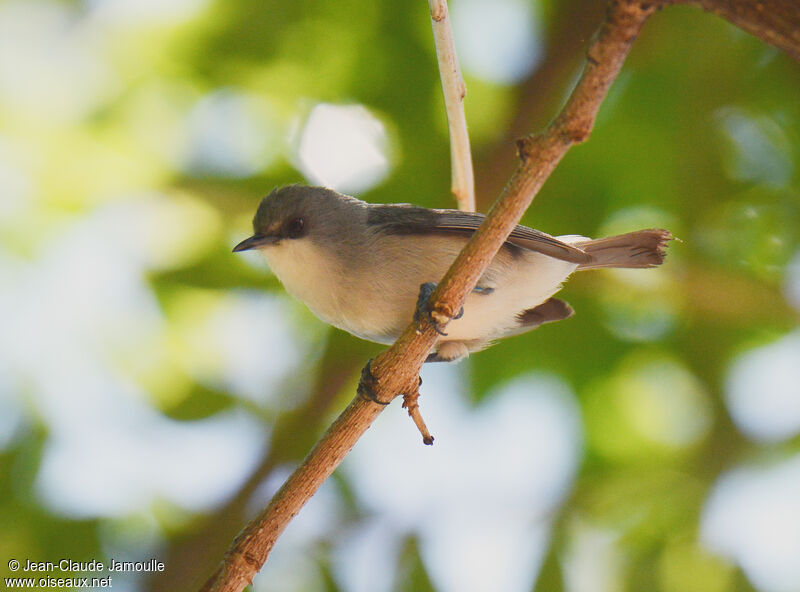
(643, 248)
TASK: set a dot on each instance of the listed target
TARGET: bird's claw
(437, 318)
(438, 329)
(367, 385)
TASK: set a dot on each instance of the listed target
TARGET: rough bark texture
(251, 547)
(396, 370)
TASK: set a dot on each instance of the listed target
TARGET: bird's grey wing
(408, 219)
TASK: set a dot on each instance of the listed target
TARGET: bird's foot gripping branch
(368, 385)
(432, 313)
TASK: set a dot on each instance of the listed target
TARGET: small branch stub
(411, 403)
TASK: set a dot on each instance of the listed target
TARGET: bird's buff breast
(321, 283)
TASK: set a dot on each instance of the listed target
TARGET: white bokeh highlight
(343, 147)
(229, 134)
(138, 13)
(497, 40)
(127, 457)
(255, 345)
(71, 314)
(51, 69)
(762, 390)
(488, 550)
(487, 488)
(761, 151)
(666, 403)
(373, 546)
(752, 517)
(293, 564)
(16, 179)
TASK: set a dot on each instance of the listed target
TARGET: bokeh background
(155, 389)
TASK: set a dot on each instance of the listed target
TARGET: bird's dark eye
(296, 228)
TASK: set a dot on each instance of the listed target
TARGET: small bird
(359, 266)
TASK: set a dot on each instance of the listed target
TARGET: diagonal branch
(396, 370)
(463, 180)
(775, 21)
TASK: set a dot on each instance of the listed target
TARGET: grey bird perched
(359, 266)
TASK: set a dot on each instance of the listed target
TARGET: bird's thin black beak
(255, 241)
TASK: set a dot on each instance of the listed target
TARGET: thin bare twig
(396, 370)
(454, 89)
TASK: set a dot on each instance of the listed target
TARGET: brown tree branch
(542, 93)
(293, 433)
(454, 90)
(775, 21)
(396, 370)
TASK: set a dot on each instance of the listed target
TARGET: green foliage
(700, 134)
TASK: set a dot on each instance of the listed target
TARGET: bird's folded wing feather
(408, 219)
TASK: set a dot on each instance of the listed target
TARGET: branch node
(438, 11)
(526, 147)
(253, 560)
(577, 131)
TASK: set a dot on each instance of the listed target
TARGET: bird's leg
(436, 317)
(410, 402)
(368, 384)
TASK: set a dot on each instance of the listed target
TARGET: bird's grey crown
(318, 206)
